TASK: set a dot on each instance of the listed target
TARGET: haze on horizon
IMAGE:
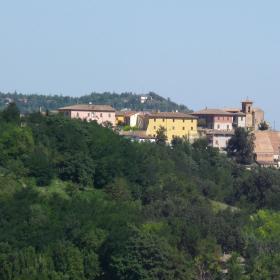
(199, 53)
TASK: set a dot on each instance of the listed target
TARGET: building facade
(119, 118)
(102, 114)
(219, 139)
(138, 136)
(214, 119)
(175, 125)
(130, 118)
(254, 116)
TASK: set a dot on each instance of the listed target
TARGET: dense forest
(35, 102)
(77, 202)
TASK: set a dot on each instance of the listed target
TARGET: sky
(199, 53)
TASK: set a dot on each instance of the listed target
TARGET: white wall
(133, 120)
(241, 121)
(220, 141)
(223, 125)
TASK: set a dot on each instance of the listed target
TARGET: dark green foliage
(145, 255)
(114, 209)
(260, 188)
(176, 141)
(263, 126)
(241, 146)
(11, 114)
(40, 166)
(161, 137)
(35, 102)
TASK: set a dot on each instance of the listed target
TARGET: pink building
(216, 125)
(102, 114)
(215, 119)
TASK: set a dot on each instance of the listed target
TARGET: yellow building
(120, 116)
(175, 125)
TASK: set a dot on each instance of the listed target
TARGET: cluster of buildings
(216, 125)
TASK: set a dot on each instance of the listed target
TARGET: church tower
(247, 108)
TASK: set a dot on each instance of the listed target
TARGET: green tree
(148, 256)
(236, 268)
(40, 166)
(241, 146)
(263, 125)
(266, 267)
(161, 137)
(11, 114)
(16, 143)
(207, 262)
(177, 141)
(68, 260)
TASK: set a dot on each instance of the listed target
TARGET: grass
(219, 206)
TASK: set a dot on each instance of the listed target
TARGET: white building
(218, 138)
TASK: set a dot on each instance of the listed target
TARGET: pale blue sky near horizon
(199, 53)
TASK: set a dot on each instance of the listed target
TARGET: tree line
(77, 201)
(28, 103)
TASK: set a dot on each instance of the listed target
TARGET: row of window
(173, 136)
(163, 120)
(173, 128)
(93, 114)
(228, 118)
(218, 127)
(223, 118)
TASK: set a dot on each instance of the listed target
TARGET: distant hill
(33, 102)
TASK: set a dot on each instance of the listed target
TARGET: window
(217, 142)
(242, 119)
(218, 126)
(173, 120)
(183, 120)
(183, 128)
(100, 115)
(88, 114)
(228, 118)
(192, 121)
(162, 120)
(227, 127)
(77, 114)
(109, 115)
(173, 127)
(192, 128)
(155, 127)
(154, 120)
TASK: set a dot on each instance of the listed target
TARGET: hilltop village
(215, 125)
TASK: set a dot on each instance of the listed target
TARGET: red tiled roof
(171, 115)
(88, 107)
(267, 145)
(214, 112)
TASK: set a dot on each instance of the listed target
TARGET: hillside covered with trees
(35, 102)
(77, 201)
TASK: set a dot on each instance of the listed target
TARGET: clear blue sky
(200, 53)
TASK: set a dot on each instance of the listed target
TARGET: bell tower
(247, 108)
